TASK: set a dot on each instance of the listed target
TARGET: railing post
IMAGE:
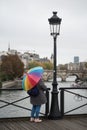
(62, 102)
(47, 104)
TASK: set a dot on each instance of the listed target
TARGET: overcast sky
(24, 24)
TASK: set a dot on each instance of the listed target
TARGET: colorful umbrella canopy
(32, 77)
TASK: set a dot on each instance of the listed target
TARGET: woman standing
(38, 101)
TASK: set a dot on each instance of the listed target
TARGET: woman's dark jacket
(41, 98)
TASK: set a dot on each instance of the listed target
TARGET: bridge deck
(67, 123)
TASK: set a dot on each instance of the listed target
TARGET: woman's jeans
(35, 111)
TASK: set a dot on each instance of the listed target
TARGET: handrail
(10, 89)
(13, 103)
(76, 94)
(62, 90)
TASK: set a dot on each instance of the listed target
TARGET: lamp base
(54, 112)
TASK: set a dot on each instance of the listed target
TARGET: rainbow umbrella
(32, 77)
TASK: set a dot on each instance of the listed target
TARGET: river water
(70, 101)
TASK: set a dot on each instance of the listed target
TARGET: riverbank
(10, 84)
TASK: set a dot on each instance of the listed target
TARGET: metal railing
(62, 101)
(6, 103)
(13, 103)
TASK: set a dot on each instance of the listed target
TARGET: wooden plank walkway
(67, 123)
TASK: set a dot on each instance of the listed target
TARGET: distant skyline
(24, 24)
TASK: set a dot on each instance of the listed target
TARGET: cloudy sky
(24, 24)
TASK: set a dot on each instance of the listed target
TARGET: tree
(86, 65)
(45, 65)
(33, 64)
(12, 66)
(48, 65)
(63, 67)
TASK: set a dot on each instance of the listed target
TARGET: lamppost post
(55, 69)
(54, 22)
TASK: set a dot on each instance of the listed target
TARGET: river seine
(70, 101)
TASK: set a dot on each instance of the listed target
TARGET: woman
(38, 101)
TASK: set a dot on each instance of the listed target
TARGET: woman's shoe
(32, 119)
(37, 120)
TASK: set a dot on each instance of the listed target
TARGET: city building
(44, 60)
(25, 57)
(28, 57)
(76, 59)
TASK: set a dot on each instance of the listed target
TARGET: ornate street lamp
(54, 22)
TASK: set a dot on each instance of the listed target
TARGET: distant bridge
(63, 74)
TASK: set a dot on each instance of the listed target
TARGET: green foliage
(86, 64)
(33, 64)
(11, 67)
(63, 67)
(48, 65)
(0, 84)
(45, 65)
